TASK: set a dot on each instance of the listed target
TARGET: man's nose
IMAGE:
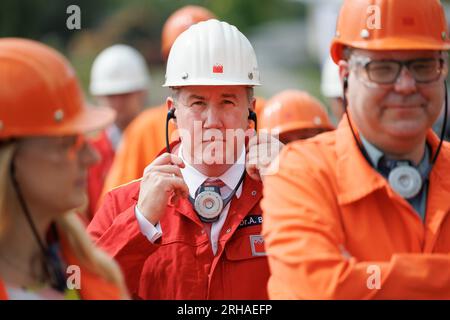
(88, 155)
(405, 84)
(213, 117)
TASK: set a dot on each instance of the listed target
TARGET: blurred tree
(134, 22)
(46, 20)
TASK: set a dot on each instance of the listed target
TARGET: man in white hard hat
(190, 228)
(119, 80)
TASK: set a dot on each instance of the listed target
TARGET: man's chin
(406, 129)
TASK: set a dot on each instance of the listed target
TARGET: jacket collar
(194, 179)
(239, 208)
(356, 178)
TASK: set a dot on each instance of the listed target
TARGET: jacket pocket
(245, 246)
(246, 269)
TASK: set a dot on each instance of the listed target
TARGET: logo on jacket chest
(257, 245)
(249, 221)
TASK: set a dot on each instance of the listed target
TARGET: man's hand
(262, 150)
(161, 179)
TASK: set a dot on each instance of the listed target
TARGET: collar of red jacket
(356, 178)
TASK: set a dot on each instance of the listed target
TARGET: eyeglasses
(424, 70)
(78, 142)
(63, 147)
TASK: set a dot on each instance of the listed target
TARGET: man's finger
(178, 185)
(168, 158)
(165, 158)
(167, 168)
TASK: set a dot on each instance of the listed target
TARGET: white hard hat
(331, 85)
(212, 53)
(118, 69)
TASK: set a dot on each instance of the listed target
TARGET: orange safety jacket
(335, 229)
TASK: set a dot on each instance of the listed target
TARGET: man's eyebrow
(194, 96)
(229, 95)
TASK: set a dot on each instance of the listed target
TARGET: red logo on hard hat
(218, 68)
(409, 21)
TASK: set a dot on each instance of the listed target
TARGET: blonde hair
(68, 224)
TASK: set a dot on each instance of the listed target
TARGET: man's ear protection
(252, 116)
(171, 114)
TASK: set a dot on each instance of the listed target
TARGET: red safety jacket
(181, 264)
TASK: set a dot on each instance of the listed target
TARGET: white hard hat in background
(331, 84)
(119, 69)
(212, 53)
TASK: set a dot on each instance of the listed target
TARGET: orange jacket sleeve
(304, 240)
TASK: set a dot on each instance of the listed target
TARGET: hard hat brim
(385, 44)
(90, 119)
(210, 82)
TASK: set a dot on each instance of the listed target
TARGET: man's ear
(171, 106)
(251, 107)
(344, 70)
(252, 104)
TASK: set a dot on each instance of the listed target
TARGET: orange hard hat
(180, 21)
(40, 94)
(292, 110)
(390, 25)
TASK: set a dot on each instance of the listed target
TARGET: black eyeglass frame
(365, 62)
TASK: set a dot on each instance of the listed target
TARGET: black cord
(26, 210)
(170, 115)
(52, 262)
(444, 125)
(360, 146)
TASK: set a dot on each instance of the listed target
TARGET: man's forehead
(396, 54)
(207, 91)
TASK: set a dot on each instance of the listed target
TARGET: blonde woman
(44, 250)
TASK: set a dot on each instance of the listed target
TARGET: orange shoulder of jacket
(149, 117)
